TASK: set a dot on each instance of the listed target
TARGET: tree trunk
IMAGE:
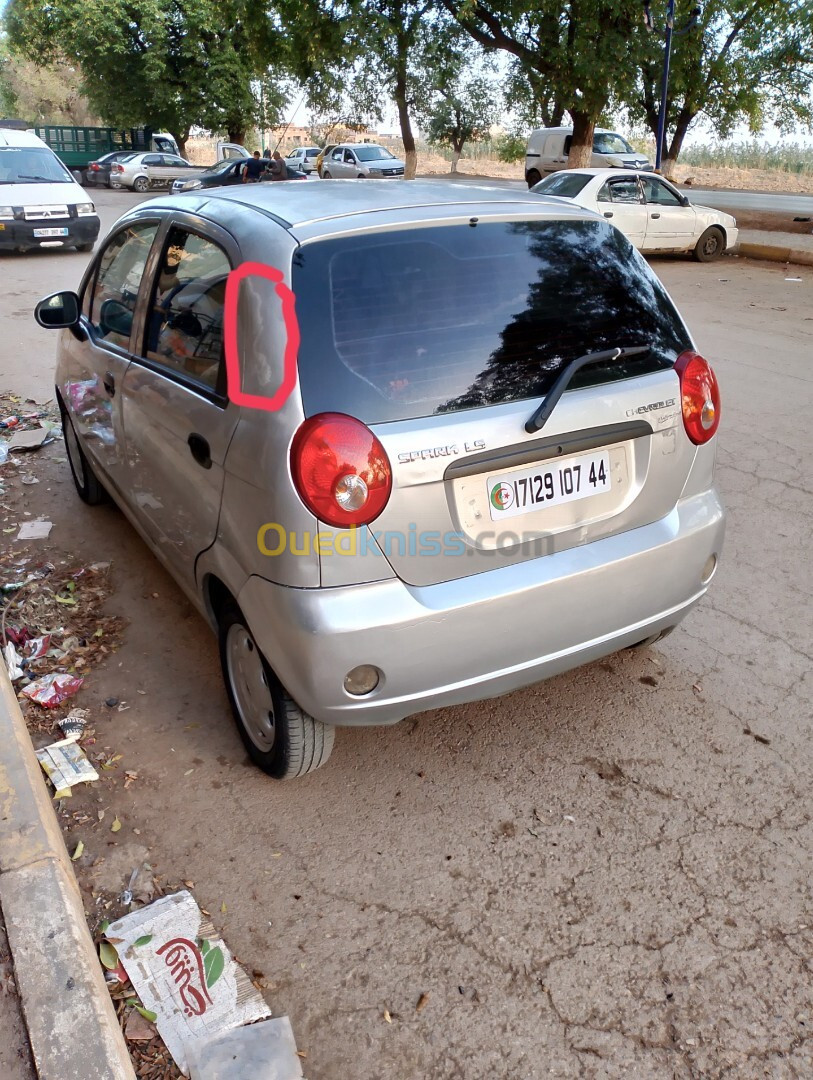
(581, 146)
(670, 157)
(237, 135)
(181, 141)
(455, 159)
(410, 154)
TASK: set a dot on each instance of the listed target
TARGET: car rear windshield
(566, 185)
(446, 318)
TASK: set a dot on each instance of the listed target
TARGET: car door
(335, 165)
(670, 225)
(177, 419)
(350, 164)
(622, 203)
(94, 365)
(553, 154)
(171, 168)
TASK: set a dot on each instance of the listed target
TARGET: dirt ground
(15, 1053)
(604, 875)
(202, 152)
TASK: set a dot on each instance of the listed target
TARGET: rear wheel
(326, 175)
(141, 184)
(87, 483)
(710, 246)
(532, 177)
(85, 247)
(282, 739)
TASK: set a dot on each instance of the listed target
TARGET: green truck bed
(78, 146)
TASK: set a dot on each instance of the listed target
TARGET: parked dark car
(225, 173)
(98, 172)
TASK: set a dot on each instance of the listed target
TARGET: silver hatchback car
(403, 446)
(360, 161)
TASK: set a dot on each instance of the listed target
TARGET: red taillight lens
(94, 166)
(699, 397)
(341, 470)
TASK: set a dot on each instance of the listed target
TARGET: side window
(568, 143)
(118, 279)
(337, 155)
(604, 193)
(624, 191)
(659, 193)
(151, 159)
(348, 157)
(185, 326)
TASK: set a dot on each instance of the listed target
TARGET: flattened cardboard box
(184, 973)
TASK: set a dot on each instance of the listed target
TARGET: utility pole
(694, 19)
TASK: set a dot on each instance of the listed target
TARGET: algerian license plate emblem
(550, 484)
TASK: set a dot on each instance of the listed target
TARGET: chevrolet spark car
(403, 446)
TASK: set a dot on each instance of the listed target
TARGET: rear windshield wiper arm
(562, 381)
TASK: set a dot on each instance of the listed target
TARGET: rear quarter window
(565, 185)
(447, 318)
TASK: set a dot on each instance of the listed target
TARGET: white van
(548, 150)
(41, 205)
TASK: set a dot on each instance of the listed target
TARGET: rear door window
(185, 322)
(566, 185)
(447, 318)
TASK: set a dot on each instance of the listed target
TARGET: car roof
(606, 172)
(14, 137)
(294, 205)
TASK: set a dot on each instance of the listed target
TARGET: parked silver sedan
(361, 161)
(475, 451)
(144, 171)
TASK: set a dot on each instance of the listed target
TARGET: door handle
(109, 383)
(654, 215)
(200, 450)
(608, 213)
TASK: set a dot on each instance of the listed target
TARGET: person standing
(252, 169)
(278, 168)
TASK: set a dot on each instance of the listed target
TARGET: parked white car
(652, 213)
(303, 158)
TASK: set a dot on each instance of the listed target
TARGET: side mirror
(60, 311)
(115, 318)
(684, 200)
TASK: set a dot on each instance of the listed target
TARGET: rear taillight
(117, 168)
(94, 166)
(341, 470)
(699, 397)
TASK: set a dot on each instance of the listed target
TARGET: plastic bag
(51, 690)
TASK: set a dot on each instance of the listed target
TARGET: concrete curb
(775, 254)
(72, 1025)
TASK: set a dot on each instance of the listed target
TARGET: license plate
(551, 484)
(39, 233)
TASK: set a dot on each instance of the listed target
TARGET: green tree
(463, 112)
(173, 64)
(36, 94)
(576, 56)
(747, 61)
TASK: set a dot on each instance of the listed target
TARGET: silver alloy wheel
(249, 687)
(74, 452)
(141, 184)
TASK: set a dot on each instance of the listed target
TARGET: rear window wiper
(562, 381)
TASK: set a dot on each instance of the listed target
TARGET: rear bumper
(488, 634)
(16, 234)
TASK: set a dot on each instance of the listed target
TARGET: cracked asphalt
(605, 875)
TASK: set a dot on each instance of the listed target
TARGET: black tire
(141, 185)
(361, 176)
(326, 175)
(296, 744)
(710, 246)
(532, 177)
(87, 483)
(85, 247)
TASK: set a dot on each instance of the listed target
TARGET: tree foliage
(38, 94)
(576, 56)
(461, 113)
(747, 61)
(170, 63)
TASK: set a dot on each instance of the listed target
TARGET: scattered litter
(387, 1016)
(183, 971)
(66, 765)
(10, 422)
(36, 647)
(138, 1028)
(32, 439)
(28, 480)
(3, 452)
(35, 530)
(793, 279)
(74, 722)
(568, 817)
(80, 847)
(422, 1000)
(262, 1051)
(51, 690)
(13, 662)
(801, 219)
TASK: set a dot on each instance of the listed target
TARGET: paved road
(721, 200)
(605, 875)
